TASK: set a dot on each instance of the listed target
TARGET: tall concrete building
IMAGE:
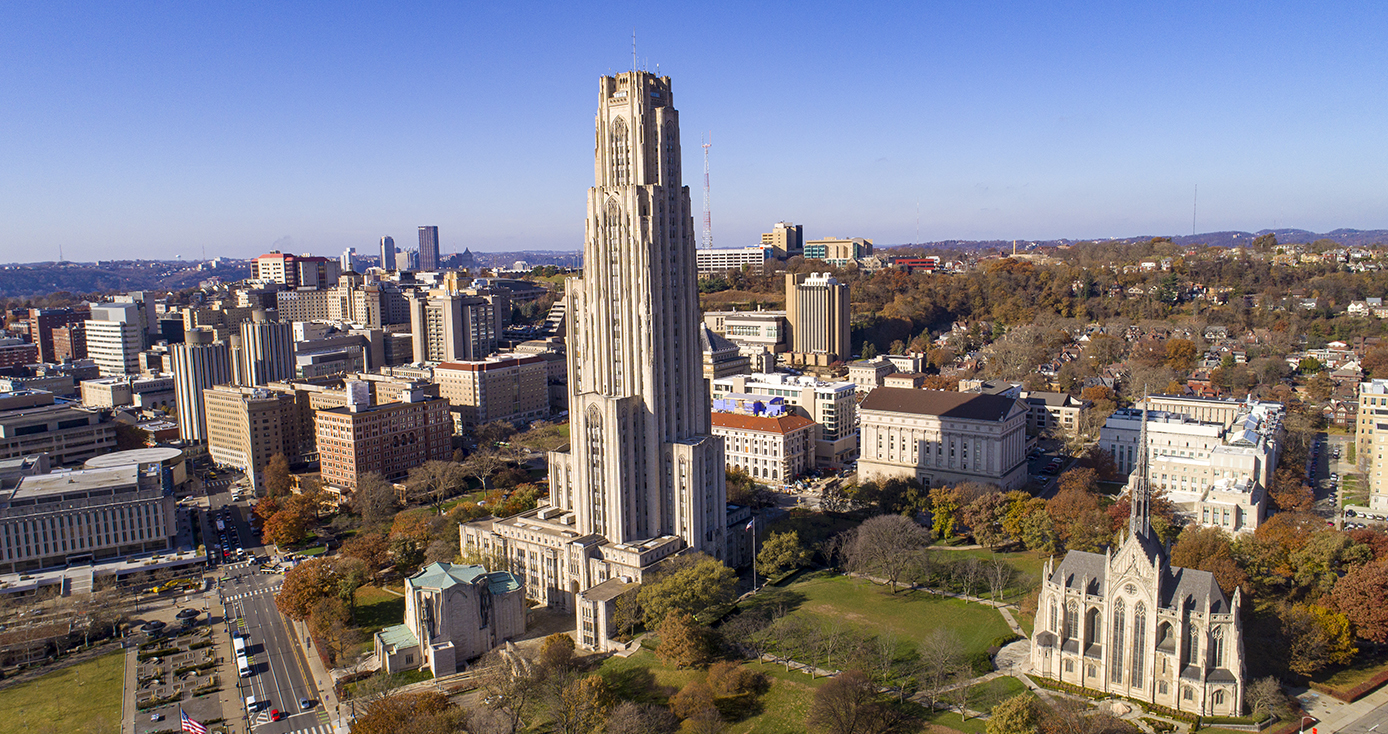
(429, 248)
(115, 336)
(817, 312)
(452, 327)
(40, 323)
(387, 253)
(248, 425)
(197, 365)
(267, 351)
(643, 478)
(785, 239)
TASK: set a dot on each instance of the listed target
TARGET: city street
(279, 679)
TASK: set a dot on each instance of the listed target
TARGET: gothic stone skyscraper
(643, 477)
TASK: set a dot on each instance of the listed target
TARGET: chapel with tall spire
(1127, 622)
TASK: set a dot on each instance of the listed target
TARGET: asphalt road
(279, 677)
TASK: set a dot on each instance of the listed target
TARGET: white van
(240, 644)
(244, 664)
(252, 704)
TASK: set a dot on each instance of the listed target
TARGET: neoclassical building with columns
(1127, 622)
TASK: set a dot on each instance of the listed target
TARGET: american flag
(190, 726)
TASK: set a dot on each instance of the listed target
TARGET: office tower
(411, 260)
(786, 239)
(115, 336)
(40, 323)
(452, 327)
(643, 475)
(387, 253)
(817, 312)
(267, 350)
(349, 260)
(296, 271)
(429, 248)
(197, 365)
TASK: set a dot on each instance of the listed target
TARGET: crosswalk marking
(257, 592)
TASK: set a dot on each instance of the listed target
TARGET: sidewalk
(322, 678)
(1335, 715)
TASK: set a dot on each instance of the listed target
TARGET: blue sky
(160, 129)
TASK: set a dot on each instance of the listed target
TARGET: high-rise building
(785, 239)
(817, 312)
(429, 248)
(197, 365)
(387, 438)
(509, 387)
(643, 478)
(40, 324)
(248, 425)
(387, 253)
(115, 336)
(296, 271)
(452, 327)
(267, 351)
(349, 260)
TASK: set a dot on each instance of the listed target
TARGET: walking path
(322, 679)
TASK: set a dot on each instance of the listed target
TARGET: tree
(1316, 637)
(372, 548)
(303, 586)
(1016, 715)
(1265, 696)
(781, 552)
(849, 704)
(869, 350)
(945, 504)
(744, 490)
(435, 481)
(510, 681)
(495, 433)
(328, 623)
(374, 499)
(427, 712)
(887, 546)
(940, 656)
(556, 655)
(728, 678)
(986, 517)
(485, 462)
(695, 698)
(582, 706)
(1362, 596)
(286, 527)
(1209, 549)
(999, 574)
(691, 583)
(1181, 354)
(276, 473)
(684, 643)
(637, 718)
(1324, 558)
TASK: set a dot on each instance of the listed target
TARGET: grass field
(1028, 565)
(550, 437)
(910, 615)
(82, 698)
(1362, 668)
(376, 609)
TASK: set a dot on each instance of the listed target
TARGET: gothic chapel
(1126, 622)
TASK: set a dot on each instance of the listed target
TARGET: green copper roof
(398, 637)
(445, 575)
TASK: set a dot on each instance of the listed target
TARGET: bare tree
(968, 573)
(887, 546)
(485, 462)
(999, 574)
(941, 654)
(510, 681)
(374, 499)
(960, 687)
(435, 481)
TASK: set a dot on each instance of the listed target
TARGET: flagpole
(754, 552)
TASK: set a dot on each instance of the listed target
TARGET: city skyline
(278, 128)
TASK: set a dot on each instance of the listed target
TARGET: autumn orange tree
(1362, 596)
(428, 712)
(684, 643)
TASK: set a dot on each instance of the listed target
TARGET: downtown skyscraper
(643, 478)
(429, 248)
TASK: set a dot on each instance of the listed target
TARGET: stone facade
(941, 438)
(453, 614)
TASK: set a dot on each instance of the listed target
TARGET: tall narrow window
(1053, 617)
(1116, 658)
(619, 153)
(1139, 643)
(1217, 647)
(1072, 620)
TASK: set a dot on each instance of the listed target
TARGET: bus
(244, 664)
(240, 644)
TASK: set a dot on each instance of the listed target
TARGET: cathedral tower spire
(1139, 509)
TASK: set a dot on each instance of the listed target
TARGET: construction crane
(708, 215)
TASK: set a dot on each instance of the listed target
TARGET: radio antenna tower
(708, 214)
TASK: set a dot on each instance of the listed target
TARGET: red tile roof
(782, 425)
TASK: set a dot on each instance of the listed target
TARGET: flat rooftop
(81, 480)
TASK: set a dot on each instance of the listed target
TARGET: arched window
(1192, 644)
(1139, 643)
(1053, 617)
(1093, 628)
(1116, 658)
(596, 482)
(1218, 698)
(619, 153)
(1188, 693)
(1072, 620)
(1217, 647)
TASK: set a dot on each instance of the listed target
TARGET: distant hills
(1231, 238)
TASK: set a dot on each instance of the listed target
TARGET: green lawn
(910, 615)
(377, 608)
(551, 437)
(814, 527)
(1362, 668)
(82, 698)
(1028, 566)
(1354, 492)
